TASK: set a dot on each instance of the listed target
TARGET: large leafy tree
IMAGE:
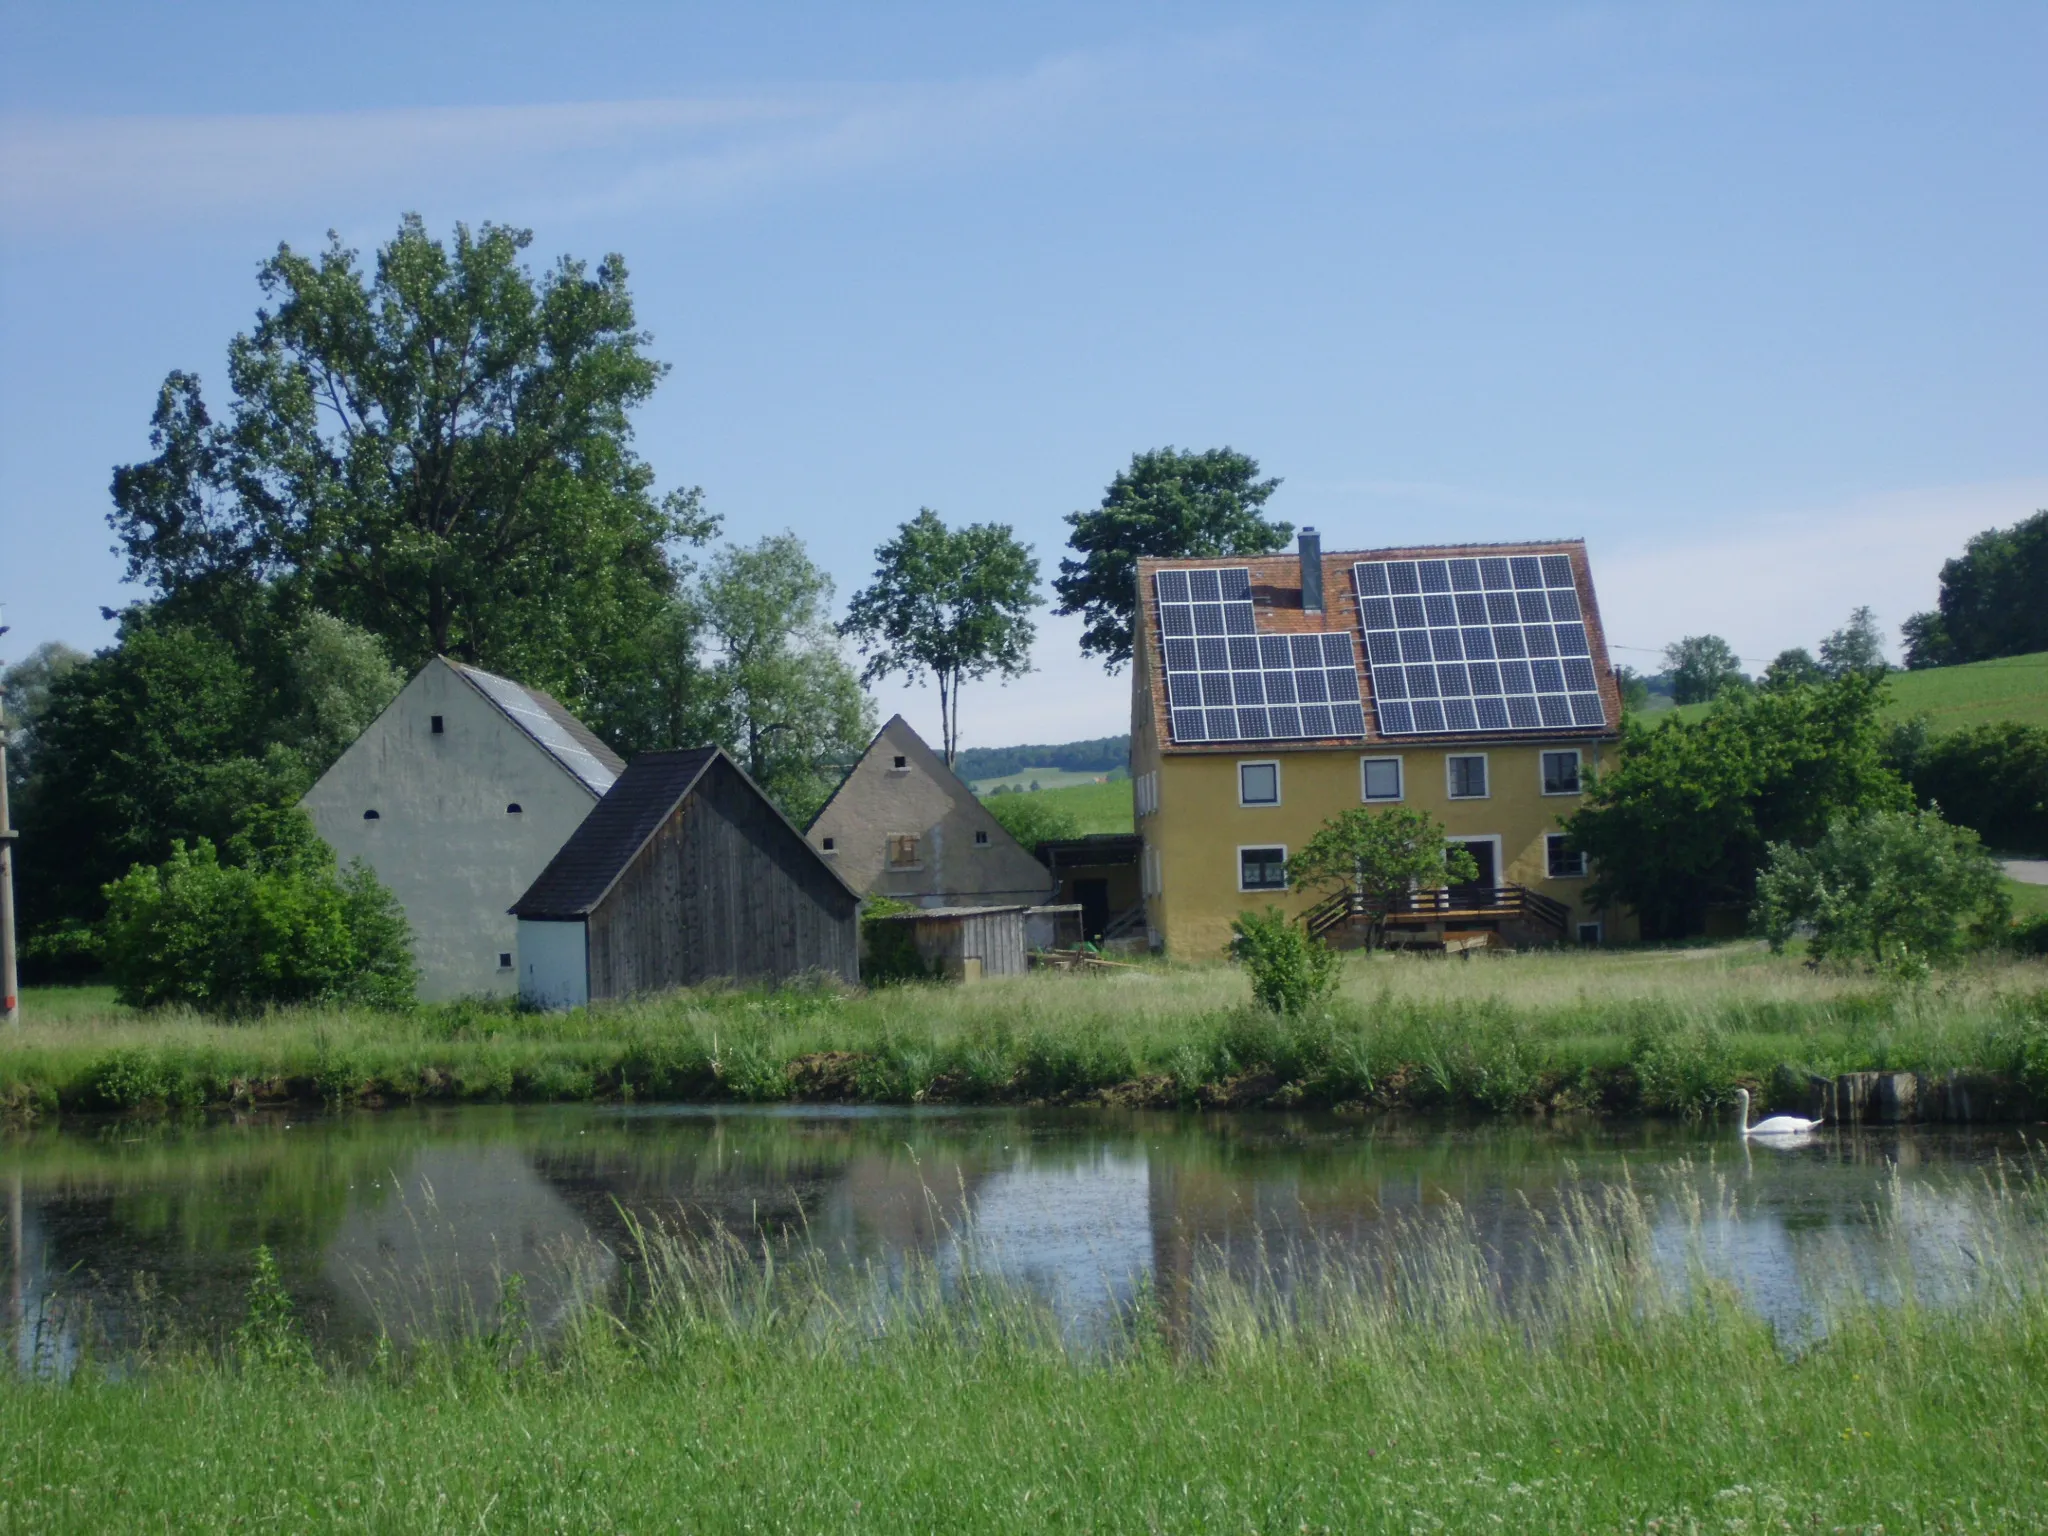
(1700, 667)
(1897, 889)
(778, 693)
(1168, 504)
(1683, 821)
(1992, 600)
(951, 603)
(169, 735)
(436, 449)
(1381, 854)
(1858, 646)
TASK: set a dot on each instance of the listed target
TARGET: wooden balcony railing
(1456, 903)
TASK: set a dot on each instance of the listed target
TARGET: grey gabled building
(684, 873)
(903, 825)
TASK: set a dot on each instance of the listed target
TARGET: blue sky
(1751, 297)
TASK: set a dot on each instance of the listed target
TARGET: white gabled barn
(458, 795)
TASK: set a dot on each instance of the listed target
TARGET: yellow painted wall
(1194, 836)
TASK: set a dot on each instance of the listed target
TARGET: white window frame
(1543, 774)
(1599, 933)
(1253, 890)
(1258, 762)
(1400, 781)
(1485, 770)
(1558, 837)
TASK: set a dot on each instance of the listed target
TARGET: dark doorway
(1478, 892)
(1094, 898)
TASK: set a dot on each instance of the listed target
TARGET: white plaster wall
(554, 964)
(443, 840)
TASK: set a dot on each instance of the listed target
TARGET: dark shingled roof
(614, 832)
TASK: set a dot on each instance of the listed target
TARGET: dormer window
(370, 816)
(514, 809)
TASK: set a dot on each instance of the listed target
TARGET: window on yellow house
(1561, 772)
(1262, 869)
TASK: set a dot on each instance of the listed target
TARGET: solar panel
(545, 729)
(1227, 682)
(1494, 643)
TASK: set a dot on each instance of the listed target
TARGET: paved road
(2028, 871)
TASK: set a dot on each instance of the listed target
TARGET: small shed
(685, 872)
(966, 943)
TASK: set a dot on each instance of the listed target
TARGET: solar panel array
(1227, 682)
(545, 729)
(1483, 644)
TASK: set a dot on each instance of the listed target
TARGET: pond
(401, 1221)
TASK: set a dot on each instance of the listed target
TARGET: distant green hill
(2011, 688)
(1102, 754)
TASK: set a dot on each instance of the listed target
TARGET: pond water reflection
(402, 1221)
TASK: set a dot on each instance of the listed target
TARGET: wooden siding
(994, 937)
(724, 889)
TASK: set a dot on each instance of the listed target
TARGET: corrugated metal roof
(598, 852)
(558, 733)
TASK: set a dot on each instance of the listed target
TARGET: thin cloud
(61, 174)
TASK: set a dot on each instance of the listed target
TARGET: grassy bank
(1655, 1030)
(728, 1398)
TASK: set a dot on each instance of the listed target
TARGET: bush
(278, 923)
(1899, 889)
(888, 951)
(2029, 936)
(1291, 972)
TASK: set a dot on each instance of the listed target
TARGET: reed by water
(719, 1391)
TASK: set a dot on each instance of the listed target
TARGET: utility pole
(10, 993)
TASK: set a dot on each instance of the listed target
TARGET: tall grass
(1664, 1031)
(1423, 1394)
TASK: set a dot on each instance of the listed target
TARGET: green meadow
(1097, 807)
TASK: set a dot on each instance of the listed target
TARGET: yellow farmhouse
(1271, 692)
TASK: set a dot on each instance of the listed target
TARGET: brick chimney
(1311, 571)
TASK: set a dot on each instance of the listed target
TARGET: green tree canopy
(1683, 820)
(24, 696)
(1168, 504)
(169, 735)
(1795, 668)
(1992, 778)
(1898, 889)
(436, 450)
(954, 603)
(1858, 646)
(1701, 666)
(1992, 600)
(1381, 854)
(778, 693)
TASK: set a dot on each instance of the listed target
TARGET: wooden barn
(683, 873)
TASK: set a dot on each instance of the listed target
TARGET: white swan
(1777, 1125)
